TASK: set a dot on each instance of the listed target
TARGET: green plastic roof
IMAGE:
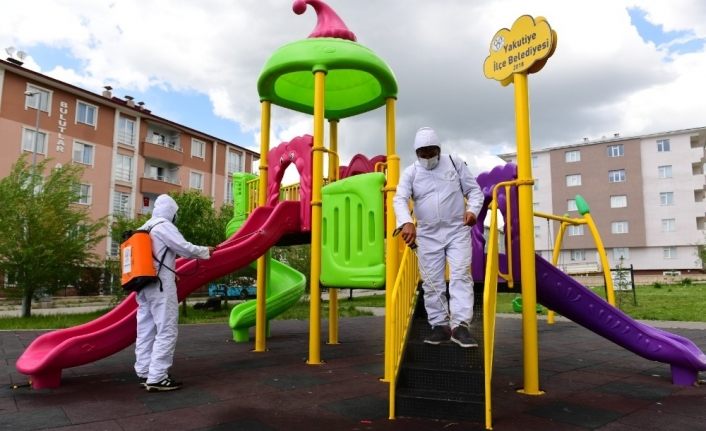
(357, 80)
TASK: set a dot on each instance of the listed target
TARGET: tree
(46, 239)
(197, 219)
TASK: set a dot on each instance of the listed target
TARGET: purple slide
(568, 297)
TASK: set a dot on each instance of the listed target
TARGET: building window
(621, 252)
(28, 141)
(83, 153)
(619, 227)
(537, 231)
(535, 186)
(618, 201)
(575, 230)
(573, 180)
(578, 255)
(534, 161)
(40, 98)
(123, 168)
(229, 190)
(617, 176)
(571, 205)
(121, 204)
(235, 162)
(615, 150)
(84, 194)
(126, 131)
(669, 225)
(198, 148)
(196, 180)
(666, 198)
(572, 156)
(665, 171)
(669, 252)
(86, 113)
(663, 145)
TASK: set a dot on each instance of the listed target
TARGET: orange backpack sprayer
(136, 260)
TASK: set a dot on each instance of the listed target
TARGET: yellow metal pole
(316, 184)
(392, 252)
(260, 306)
(333, 176)
(609, 288)
(526, 218)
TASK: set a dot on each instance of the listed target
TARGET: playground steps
(444, 381)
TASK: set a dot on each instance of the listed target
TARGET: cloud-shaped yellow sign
(524, 48)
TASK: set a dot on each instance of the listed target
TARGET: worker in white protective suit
(438, 183)
(158, 306)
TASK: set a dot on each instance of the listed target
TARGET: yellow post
(260, 307)
(392, 252)
(333, 176)
(609, 288)
(316, 184)
(526, 218)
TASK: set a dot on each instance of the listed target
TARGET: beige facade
(130, 155)
(645, 193)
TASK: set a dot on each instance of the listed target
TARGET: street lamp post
(36, 94)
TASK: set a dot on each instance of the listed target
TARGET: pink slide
(50, 353)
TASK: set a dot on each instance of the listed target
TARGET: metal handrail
(403, 301)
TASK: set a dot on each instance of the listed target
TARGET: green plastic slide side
(357, 80)
(353, 246)
(287, 285)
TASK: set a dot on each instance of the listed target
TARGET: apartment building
(645, 193)
(130, 155)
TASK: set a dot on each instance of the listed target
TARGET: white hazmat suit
(438, 193)
(158, 309)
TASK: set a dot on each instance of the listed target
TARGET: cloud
(602, 79)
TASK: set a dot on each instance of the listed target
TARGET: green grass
(668, 302)
(683, 303)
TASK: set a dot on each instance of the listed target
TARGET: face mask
(428, 164)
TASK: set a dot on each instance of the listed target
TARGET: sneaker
(439, 334)
(143, 381)
(167, 384)
(461, 335)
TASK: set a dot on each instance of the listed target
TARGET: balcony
(159, 185)
(170, 152)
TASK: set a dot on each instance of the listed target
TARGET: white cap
(425, 137)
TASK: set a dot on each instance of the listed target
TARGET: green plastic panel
(353, 246)
(357, 80)
(240, 201)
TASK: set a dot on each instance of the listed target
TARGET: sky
(621, 66)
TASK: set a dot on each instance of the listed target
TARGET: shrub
(657, 285)
(686, 281)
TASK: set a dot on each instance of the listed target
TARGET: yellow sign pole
(513, 54)
(527, 250)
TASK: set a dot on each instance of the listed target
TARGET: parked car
(232, 291)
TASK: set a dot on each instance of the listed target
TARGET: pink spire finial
(328, 23)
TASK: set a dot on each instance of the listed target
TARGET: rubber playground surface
(590, 384)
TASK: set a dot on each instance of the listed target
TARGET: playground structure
(350, 222)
